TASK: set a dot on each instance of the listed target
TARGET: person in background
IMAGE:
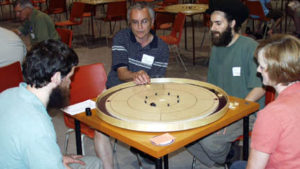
(28, 138)
(270, 12)
(38, 25)
(294, 11)
(275, 136)
(137, 55)
(232, 68)
(12, 48)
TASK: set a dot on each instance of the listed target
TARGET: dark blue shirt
(127, 52)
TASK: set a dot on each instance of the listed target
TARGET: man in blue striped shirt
(137, 55)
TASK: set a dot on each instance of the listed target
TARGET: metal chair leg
(67, 140)
(194, 162)
(139, 161)
(179, 57)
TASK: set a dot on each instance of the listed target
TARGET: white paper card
(147, 59)
(79, 107)
(236, 71)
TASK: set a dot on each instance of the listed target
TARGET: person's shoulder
(123, 33)
(6, 35)
(247, 41)
(42, 15)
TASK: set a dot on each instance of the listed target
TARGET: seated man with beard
(28, 138)
(232, 68)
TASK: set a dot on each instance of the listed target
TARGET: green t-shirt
(233, 68)
(39, 27)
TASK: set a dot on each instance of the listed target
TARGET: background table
(188, 10)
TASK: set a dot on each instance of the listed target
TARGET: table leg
(166, 162)
(78, 137)
(158, 163)
(246, 138)
(193, 36)
(92, 24)
(185, 38)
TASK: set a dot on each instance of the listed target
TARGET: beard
(223, 39)
(59, 98)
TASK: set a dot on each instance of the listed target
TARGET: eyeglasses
(143, 22)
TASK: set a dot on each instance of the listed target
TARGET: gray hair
(23, 3)
(140, 6)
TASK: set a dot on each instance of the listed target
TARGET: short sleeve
(120, 50)
(253, 78)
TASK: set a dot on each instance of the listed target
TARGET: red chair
(6, 3)
(87, 82)
(163, 21)
(202, 1)
(116, 11)
(256, 9)
(66, 36)
(167, 2)
(174, 38)
(90, 12)
(10, 76)
(57, 7)
(38, 3)
(76, 17)
(270, 95)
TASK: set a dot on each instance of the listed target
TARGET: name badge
(32, 35)
(236, 71)
(147, 59)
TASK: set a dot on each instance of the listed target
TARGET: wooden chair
(10, 76)
(87, 82)
(66, 36)
(256, 12)
(174, 38)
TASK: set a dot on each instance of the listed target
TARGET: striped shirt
(127, 52)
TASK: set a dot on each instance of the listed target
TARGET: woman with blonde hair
(275, 137)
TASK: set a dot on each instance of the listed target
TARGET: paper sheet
(79, 107)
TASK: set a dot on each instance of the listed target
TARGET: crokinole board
(166, 104)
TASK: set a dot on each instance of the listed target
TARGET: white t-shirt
(12, 48)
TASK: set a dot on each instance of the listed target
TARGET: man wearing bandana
(231, 67)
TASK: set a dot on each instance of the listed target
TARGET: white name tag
(236, 71)
(147, 59)
(32, 35)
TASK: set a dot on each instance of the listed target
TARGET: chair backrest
(116, 11)
(256, 9)
(77, 12)
(66, 35)
(87, 82)
(202, 1)
(57, 6)
(10, 76)
(270, 95)
(178, 26)
(169, 2)
(163, 18)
